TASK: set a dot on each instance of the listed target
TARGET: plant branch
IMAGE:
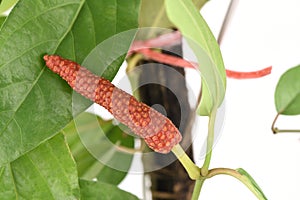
(237, 175)
(197, 188)
(192, 169)
(210, 142)
(142, 48)
(228, 17)
(248, 75)
(277, 130)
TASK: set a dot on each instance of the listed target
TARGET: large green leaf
(47, 172)
(252, 183)
(287, 94)
(96, 190)
(35, 103)
(94, 132)
(194, 28)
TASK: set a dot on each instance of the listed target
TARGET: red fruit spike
(159, 132)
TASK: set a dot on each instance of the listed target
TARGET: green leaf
(154, 18)
(88, 134)
(287, 93)
(47, 172)
(153, 14)
(258, 191)
(35, 103)
(6, 5)
(2, 19)
(193, 27)
(96, 190)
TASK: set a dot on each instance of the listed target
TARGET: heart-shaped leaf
(47, 172)
(195, 30)
(35, 103)
(287, 94)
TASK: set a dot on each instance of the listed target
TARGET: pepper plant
(50, 148)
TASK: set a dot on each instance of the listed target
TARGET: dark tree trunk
(168, 88)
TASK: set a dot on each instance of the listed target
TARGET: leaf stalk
(277, 130)
(237, 175)
(210, 142)
(192, 169)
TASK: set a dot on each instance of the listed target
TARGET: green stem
(210, 142)
(277, 130)
(237, 175)
(227, 19)
(197, 188)
(192, 169)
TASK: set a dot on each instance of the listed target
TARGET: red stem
(248, 75)
(179, 62)
(144, 47)
(167, 59)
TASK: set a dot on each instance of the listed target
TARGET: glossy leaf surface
(35, 103)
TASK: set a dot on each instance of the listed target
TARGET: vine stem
(230, 11)
(180, 62)
(237, 175)
(192, 169)
(277, 130)
(210, 142)
(197, 188)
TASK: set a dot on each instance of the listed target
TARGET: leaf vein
(13, 180)
(20, 131)
(43, 69)
(24, 52)
(36, 16)
(58, 161)
(13, 84)
(293, 99)
(41, 175)
(94, 25)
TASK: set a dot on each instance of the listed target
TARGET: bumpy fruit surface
(158, 131)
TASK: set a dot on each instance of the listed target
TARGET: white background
(261, 33)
